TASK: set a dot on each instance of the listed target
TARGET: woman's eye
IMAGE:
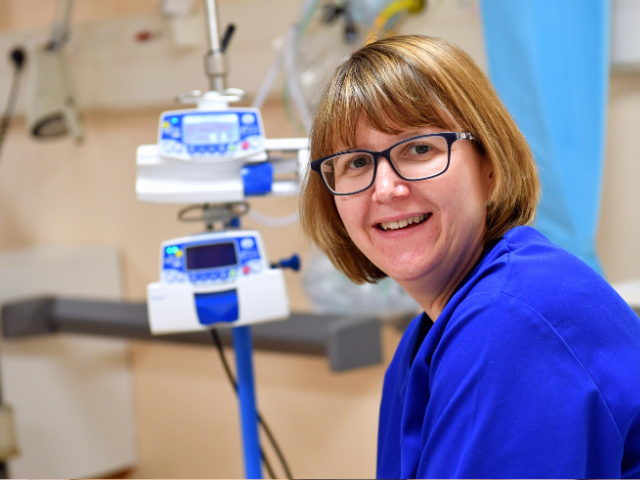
(358, 162)
(421, 149)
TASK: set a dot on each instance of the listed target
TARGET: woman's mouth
(404, 223)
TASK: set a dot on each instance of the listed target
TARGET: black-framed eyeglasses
(413, 159)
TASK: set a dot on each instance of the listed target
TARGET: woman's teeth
(403, 223)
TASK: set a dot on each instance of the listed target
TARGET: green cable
(289, 109)
(306, 20)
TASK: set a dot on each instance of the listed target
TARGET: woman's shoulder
(530, 295)
(527, 266)
(560, 288)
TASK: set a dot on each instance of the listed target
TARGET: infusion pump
(217, 156)
(212, 135)
(215, 279)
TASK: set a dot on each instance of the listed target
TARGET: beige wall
(619, 228)
(37, 13)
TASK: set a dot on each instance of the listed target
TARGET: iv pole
(214, 60)
(216, 71)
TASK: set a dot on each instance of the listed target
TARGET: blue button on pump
(217, 307)
(257, 178)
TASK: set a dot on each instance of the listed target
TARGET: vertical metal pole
(246, 394)
(214, 59)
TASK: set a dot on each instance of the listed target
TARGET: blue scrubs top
(532, 370)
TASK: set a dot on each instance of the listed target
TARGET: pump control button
(247, 243)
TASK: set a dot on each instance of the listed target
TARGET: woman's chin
(409, 270)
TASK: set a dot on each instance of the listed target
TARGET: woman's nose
(387, 184)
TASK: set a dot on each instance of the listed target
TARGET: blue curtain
(549, 61)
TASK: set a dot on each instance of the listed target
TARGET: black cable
(17, 56)
(261, 421)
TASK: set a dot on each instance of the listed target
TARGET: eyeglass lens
(416, 159)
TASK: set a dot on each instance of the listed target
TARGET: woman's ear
(486, 169)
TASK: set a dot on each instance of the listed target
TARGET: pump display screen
(211, 256)
(210, 129)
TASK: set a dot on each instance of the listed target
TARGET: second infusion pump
(214, 279)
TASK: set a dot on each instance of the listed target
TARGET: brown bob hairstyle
(403, 83)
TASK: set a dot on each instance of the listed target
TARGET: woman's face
(454, 205)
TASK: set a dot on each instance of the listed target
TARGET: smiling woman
(532, 366)
(396, 87)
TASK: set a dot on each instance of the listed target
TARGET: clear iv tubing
(263, 92)
(286, 58)
(273, 222)
(290, 70)
(308, 9)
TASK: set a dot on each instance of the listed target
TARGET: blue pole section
(246, 394)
